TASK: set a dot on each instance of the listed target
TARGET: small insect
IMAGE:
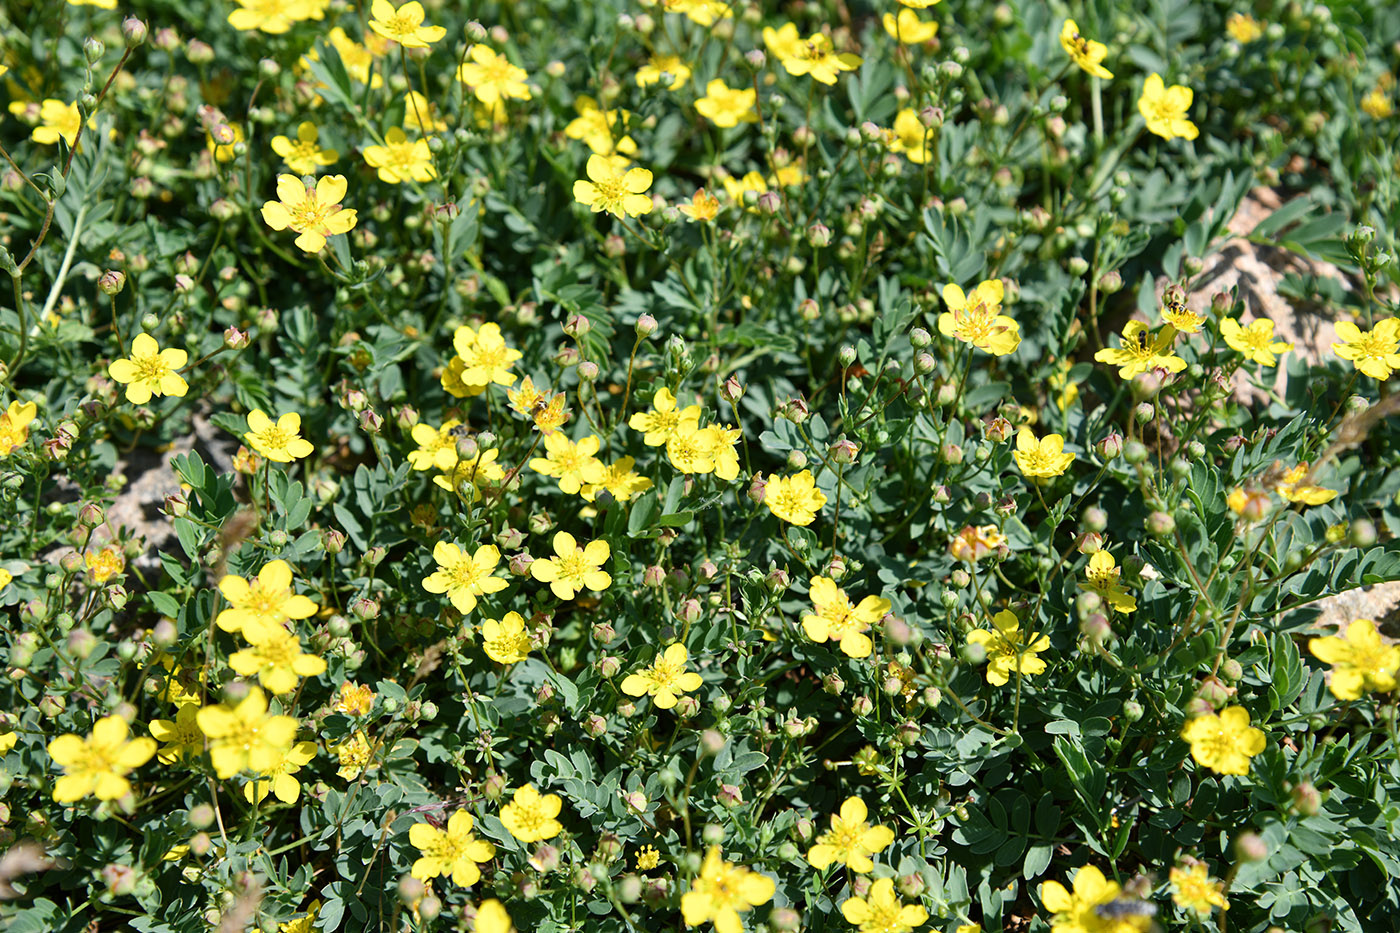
(460, 431)
(1144, 340)
(1121, 908)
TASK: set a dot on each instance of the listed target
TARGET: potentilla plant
(693, 465)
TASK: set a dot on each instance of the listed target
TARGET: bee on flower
(1084, 52)
(1140, 351)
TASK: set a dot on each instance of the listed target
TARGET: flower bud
(1251, 847)
(112, 282)
(1159, 524)
(844, 451)
(133, 31)
(1307, 800)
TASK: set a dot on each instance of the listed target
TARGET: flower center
(274, 438)
(1374, 345)
(465, 573)
(401, 25)
(573, 566)
(311, 214)
(149, 367)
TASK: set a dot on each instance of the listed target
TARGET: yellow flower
(1360, 661)
(302, 924)
(464, 577)
(312, 213)
(574, 465)
(664, 419)
(98, 764)
(919, 4)
(1377, 103)
(1250, 504)
(278, 779)
(725, 106)
(1256, 342)
(401, 160)
(354, 755)
(485, 356)
(506, 641)
(836, 618)
(105, 564)
(1183, 319)
(274, 17)
(974, 543)
(907, 28)
(850, 841)
(354, 699)
(1195, 890)
(703, 206)
(358, 59)
(420, 115)
(609, 188)
(266, 602)
(437, 447)
(1009, 649)
(701, 12)
(910, 137)
(5, 579)
(977, 318)
(150, 371)
(454, 852)
(817, 57)
(14, 425)
(660, 68)
(573, 568)
(1102, 576)
(665, 680)
(595, 127)
(620, 482)
(690, 450)
(794, 499)
(721, 443)
(403, 25)
(968, 928)
(1041, 459)
(492, 77)
(1079, 912)
(1065, 393)
(1164, 109)
(1140, 351)
(1375, 352)
(304, 157)
(275, 656)
(784, 42)
(1224, 743)
(722, 892)
(491, 917)
(100, 4)
(881, 911)
(58, 120)
(1308, 494)
(1243, 28)
(280, 442)
(1086, 53)
(246, 736)
(648, 858)
(530, 815)
(738, 190)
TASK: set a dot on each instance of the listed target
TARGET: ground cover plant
(647, 466)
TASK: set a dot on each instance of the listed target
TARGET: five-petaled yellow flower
(464, 577)
(58, 120)
(180, 738)
(1196, 890)
(273, 17)
(98, 764)
(851, 840)
(1102, 576)
(907, 29)
(794, 499)
(279, 441)
(910, 137)
(505, 641)
(401, 159)
(1375, 352)
(611, 188)
(836, 618)
(976, 318)
(267, 601)
(531, 816)
(1140, 351)
(150, 371)
(312, 213)
(1360, 661)
(659, 68)
(1164, 108)
(452, 852)
(665, 680)
(305, 156)
(1041, 459)
(275, 657)
(1256, 341)
(574, 568)
(725, 106)
(572, 464)
(814, 56)
(1078, 912)
(403, 25)
(665, 419)
(1224, 743)
(1009, 649)
(722, 891)
(246, 736)
(14, 425)
(1292, 487)
(703, 206)
(1086, 53)
(1243, 28)
(881, 911)
(492, 77)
